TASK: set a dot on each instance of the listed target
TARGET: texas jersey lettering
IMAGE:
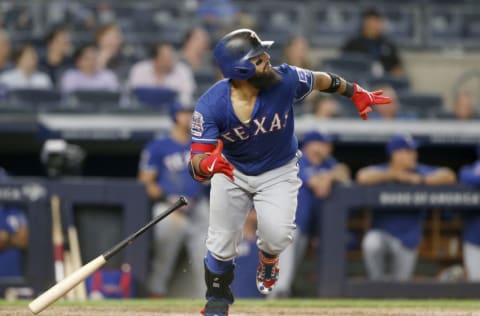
(267, 141)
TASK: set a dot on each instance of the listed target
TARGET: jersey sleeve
(149, 158)
(470, 175)
(15, 220)
(425, 170)
(204, 129)
(302, 80)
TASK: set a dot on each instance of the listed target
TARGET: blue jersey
(11, 259)
(268, 141)
(308, 204)
(404, 224)
(471, 225)
(169, 159)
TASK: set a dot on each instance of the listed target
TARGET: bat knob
(183, 200)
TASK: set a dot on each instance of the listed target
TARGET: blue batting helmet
(233, 51)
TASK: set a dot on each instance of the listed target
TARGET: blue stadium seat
(332, 24)
(350, 66)
(155, 98)
(400, 85)
(423, 105)
(34, 99)
(204, 80)
(96, 99)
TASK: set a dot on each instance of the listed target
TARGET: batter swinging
(243, 140)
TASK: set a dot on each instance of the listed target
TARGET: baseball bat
(76, 260)
(67, 263)
(62, 287)
(57, 238)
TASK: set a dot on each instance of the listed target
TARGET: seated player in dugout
(397, 233)
(470, 175)
(163, 170)
(243, 141)
(13, 238)
(319, 172)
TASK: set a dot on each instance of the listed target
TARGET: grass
(300, 303)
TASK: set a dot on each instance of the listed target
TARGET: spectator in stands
(246, 263)
(57, 55)
(86, 75)
(109, 41)
(392, 111)
(319, 171)
(164, 171)
(195, 47)
(5, 47)
(373, 42)
(165, 71)
(13, 238)
(296, 52)
(397, 233)
(470, 175)
(25, 73)
(324, 106)
(464, 107)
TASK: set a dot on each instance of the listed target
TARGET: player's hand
(216, 163)
(363, 99)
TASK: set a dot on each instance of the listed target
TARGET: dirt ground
(241, 311)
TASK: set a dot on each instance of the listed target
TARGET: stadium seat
(331, 24)
(400, 85)
(34, 99)
(158, 99)
(204, 80)
(95, 99)
(350, 66)
(424, 105)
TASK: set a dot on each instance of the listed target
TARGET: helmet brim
(264, 45)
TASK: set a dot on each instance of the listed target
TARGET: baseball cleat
(267, 273)
(215, 307)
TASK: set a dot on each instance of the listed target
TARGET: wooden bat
(67, 263)
(76, 260)
(62, 287)
(57, 238)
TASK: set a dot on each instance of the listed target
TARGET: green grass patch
(312, 303)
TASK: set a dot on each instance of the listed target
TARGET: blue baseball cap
(401, 141)
(176, 107)
(315, 136)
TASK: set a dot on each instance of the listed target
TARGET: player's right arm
(203, 165)
(372, 175)
(148, 173)
(206, 157)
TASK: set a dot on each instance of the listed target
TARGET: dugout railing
(127, 198)
(332, 251)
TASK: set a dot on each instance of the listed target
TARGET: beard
(264, 80)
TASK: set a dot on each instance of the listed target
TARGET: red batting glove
(216, 163)
(363, 99)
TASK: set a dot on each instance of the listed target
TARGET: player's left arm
(363, 99)
(440, 176)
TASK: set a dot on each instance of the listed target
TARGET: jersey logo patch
(302, 75)
(197, 124)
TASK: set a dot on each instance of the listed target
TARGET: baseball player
(397, 233)
(470, 175)
(243, 140)
(13, 238)
(319, 170)
(163, 169)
